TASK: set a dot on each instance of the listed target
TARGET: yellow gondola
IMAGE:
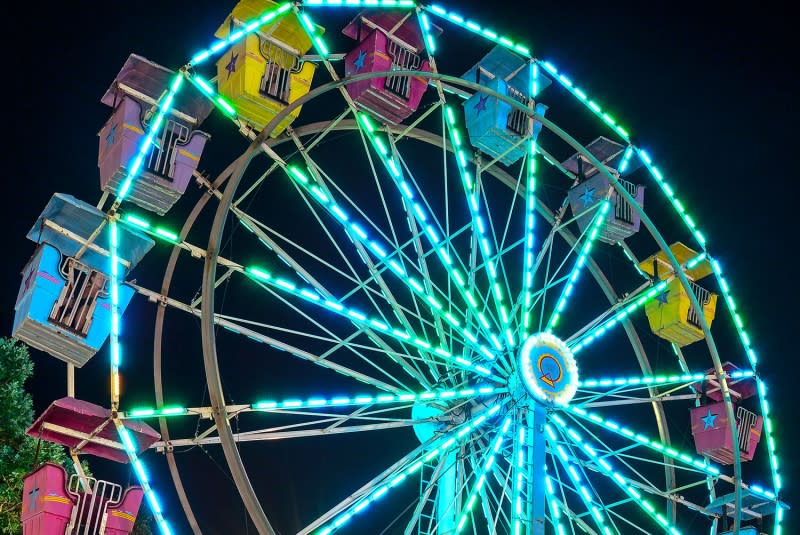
(264, 72)
(670, 314)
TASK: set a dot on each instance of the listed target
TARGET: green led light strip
(581, 95)
(448, 442)
(478, 224)
(609, 471)
(312, 296)
(691, 460)
(340, 401)
(488, 464)
(311, 31)
(359, 3)
(249, 27)
(673, 199)
(577, 482)
(576, 271)
(422, 218)
(358, 233)
(143, 478)
(477, 29)
(644, 380)
(635, 302)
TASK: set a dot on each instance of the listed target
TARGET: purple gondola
(388, 41)
(170, 162)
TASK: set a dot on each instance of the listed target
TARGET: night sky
(706, 89)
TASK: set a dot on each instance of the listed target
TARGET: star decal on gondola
(587, 197)
(33, 495)
(662, 297)
(112, 135)
(709, 420)
(359, 62)
(231, 66)
(481, 104)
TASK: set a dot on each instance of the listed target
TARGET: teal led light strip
(425, 24)
(643, 380)
(673, 199)
(626, 159)
(236, 35)
(576, 271)
(477, 29)
(443, 445)
(691, 460)
(339, 401)
(520, 477)
(219, 101)
(359, 3)
(635, 302)
(312, 296)
(581, 95)
(478, 222)
(143, 478)
(311, 30)
(609, 471)
(773, 456)
(164, 106)
(426, 222)
(359, 233)
(577, 482)
(555, 507)
(491, 456)
(737, 319)
(530, 223)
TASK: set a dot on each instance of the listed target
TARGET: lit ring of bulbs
(548, 369)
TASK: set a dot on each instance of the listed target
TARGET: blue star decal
(481, 104)
(662, 297)
(112, 135)
(587, 197)
(359, 62)
(709, 420)
(33, 495)
(231, 66)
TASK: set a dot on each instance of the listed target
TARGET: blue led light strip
(311, 31)
(164, 106)
(391, 4)
(530, 222)
(342, 401)
(555, 507)
(691, 460)
(478, 222)
(576, 271)
(143, 478)
(600, 330)
(425, 24)
(446, 443)
(577, 482)
(236, 35)
(477, 29)
(358, 233)
(606, 468)
(426, 222)
(645, 380)
(210, 93)
(490, 457)
(312, 296)
(673, 199)
(576, 91)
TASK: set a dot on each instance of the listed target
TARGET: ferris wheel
(411, 252)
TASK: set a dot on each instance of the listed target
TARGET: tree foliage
(17, 450)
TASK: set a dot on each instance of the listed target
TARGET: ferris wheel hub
(547, 369)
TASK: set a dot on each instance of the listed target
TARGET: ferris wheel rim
(300, 130)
